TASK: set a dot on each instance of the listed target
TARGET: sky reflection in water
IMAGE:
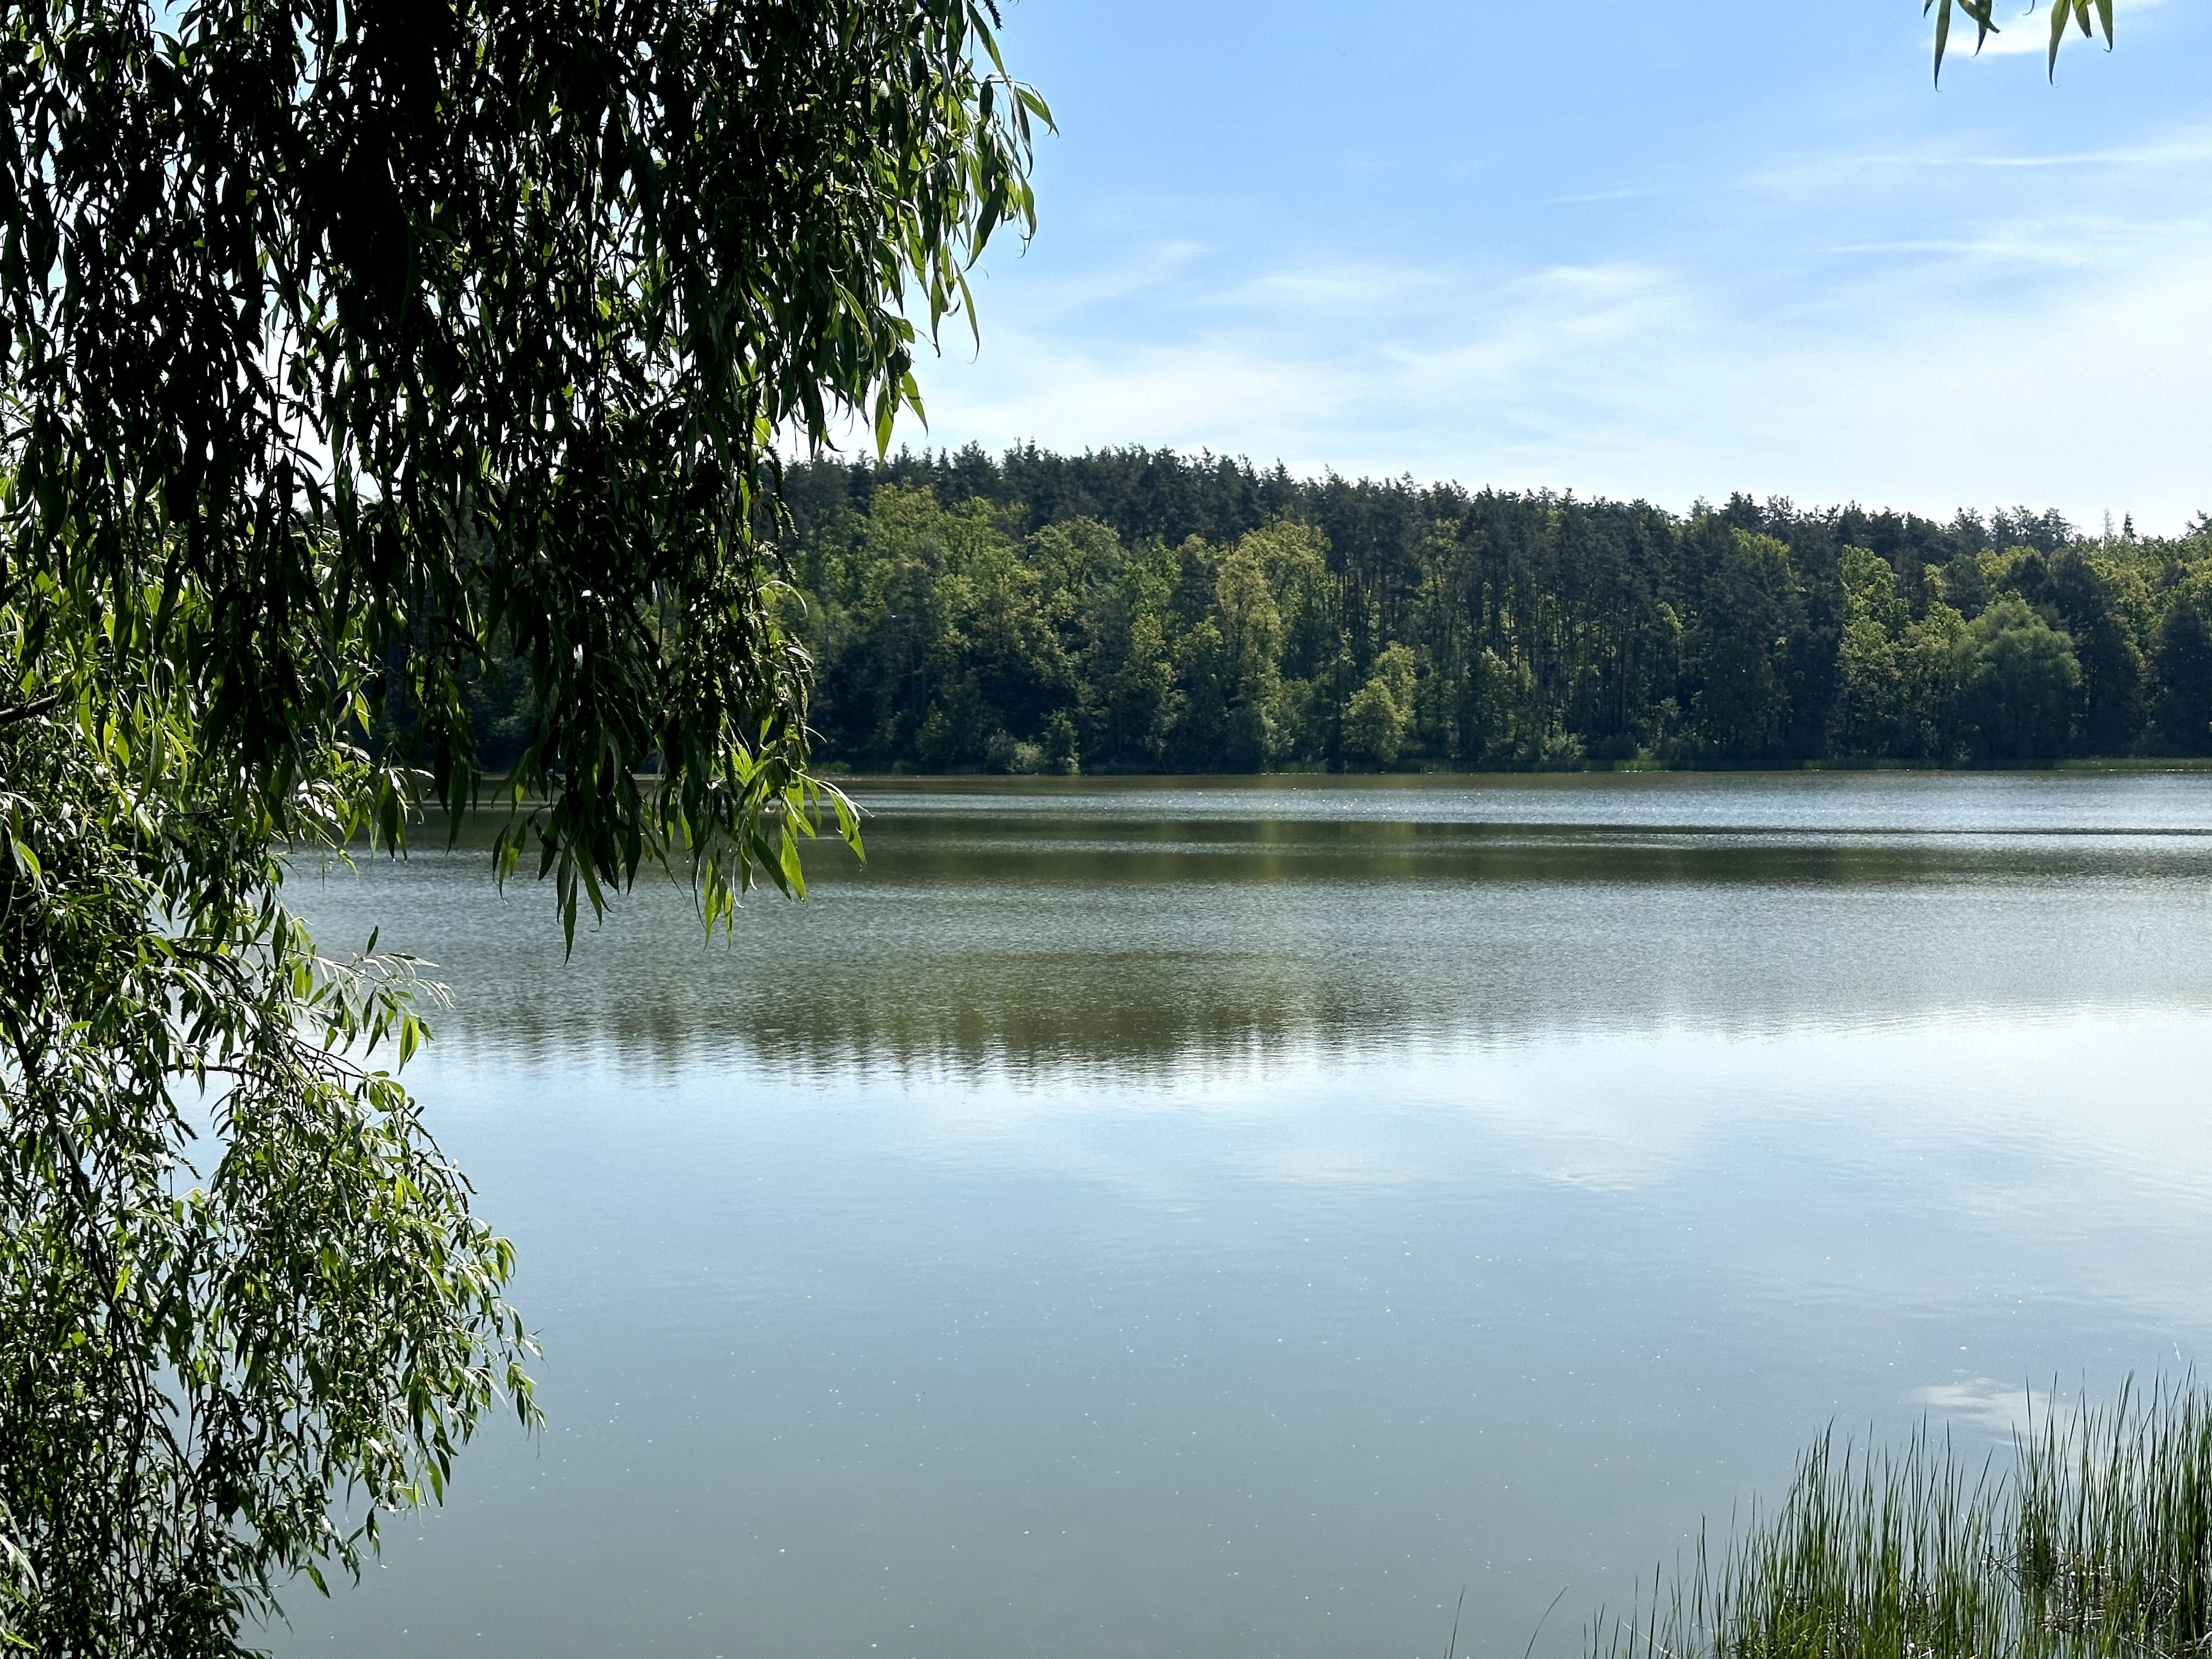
(1157, 1217)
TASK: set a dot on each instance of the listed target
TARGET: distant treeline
(1134, 611)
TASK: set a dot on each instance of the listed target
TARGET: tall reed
(2096, 1543)
(2113, 1529)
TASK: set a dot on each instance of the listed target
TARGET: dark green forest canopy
(1142, 611)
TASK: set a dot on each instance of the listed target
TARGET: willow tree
(352, 350)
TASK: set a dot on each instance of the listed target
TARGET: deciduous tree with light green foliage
(1377, 718)
(1864, 717)
(2019, 679)
(352, 353)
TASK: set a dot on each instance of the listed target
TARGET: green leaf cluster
(356, 357)
(236, 1274)
(511, 303)
(1979, 13)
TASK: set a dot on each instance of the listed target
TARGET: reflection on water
(1145, 925)
(1154, 1217)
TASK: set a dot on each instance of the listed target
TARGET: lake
(1159, 1217)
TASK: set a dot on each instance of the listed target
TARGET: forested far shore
(1141, 612)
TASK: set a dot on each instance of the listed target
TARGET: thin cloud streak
(1627, 193)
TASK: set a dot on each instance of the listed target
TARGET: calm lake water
(1162, 1217)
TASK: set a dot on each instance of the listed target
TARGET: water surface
(1172, 1218)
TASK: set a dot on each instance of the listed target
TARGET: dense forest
(1133, 610)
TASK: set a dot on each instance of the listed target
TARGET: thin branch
(31, 710)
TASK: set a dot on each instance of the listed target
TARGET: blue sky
(1624, 248)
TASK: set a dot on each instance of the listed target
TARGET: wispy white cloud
(2176, 158)
(1625, 193)
(1331, 287)
(1144, 266)
(1534, 325)
(2021, 353)
(1180, 395)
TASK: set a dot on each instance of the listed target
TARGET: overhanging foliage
(351, 350)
